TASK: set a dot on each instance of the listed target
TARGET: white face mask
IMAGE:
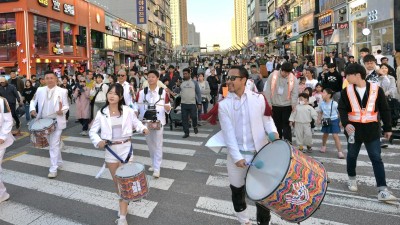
(301, 102)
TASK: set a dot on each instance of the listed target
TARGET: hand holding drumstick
(60, 112)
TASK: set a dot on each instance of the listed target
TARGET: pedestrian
(371, 67)
(65, 85)
(340, 63)
(281, 91)
(154, 105)
(205, 93)
(190, 102)
(6, 140)
(322, 74)
(363, 53)
(310, 81)
(129, 92)
(365, 126)
(302, 84)
(213, 81)
(42, 82)
(318, 93)
(301, 120)
(334, 81)
(386, 82)
(116, 122)
(82, 98)
(246, 121)
(35, 82)
(17, 82)
(391, 71)
(172, 76)
(329, 119)
(98, 95)
(90, 82)
(45, 99)
(10, 93)
(256, 78)
(351, 61)
(28, 93)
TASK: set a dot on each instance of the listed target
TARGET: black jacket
(172, 82)
(333, 81)
(10, 93)
(213, 82)
(366, 132)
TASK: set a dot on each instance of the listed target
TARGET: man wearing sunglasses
(245, 118)
(129, 93)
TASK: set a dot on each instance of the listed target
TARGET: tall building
(233, 31)
(193, 36)
(240, 16)
(179, 24)
(257, 24)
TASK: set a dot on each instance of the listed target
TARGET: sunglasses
(233, 78)
(120, 75)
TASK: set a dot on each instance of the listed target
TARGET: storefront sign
(123, 33)
(134, 35)
(325, 21)
(328, 32)
(306, 23)
(57, 49)
(116, 28)
(69, 9)
(141, 11)
(56, 5)
(342, 26)
(319, 55)
(44, 3)
(358, 8)
(295, 28)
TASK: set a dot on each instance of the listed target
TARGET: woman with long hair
(116, 122)
(28, 93)
(386, 82)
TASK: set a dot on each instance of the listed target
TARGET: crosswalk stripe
(75, 192)
(344, 143)
(17, 213)
(226, 208)
(223, 181)
(160, 183)
(169, 150)
(169, 164)
(180, 133)
(174, 141)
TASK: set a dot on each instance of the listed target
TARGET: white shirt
(378, 58)
(243, 132)
(361, 92)
(251, 86)
(270, 66)
(129, 101)
(311, 83)
(48, 110)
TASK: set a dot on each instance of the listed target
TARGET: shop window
(40, 34)
(97, 39)
(67, 32)
(8, 48)
(55, 31)
(81, 37)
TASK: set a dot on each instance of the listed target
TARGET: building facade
(193, 36)
(179, 23)
(257, 25)
(240, 17)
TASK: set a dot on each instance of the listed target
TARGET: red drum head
(260, 183)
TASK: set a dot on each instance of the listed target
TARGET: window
(263, 2)
(55, 31)
(68, 37)
(40, 34)
(97, 39)
(8, 37)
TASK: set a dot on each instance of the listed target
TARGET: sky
(212, 19)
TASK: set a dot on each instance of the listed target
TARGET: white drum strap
(101, 171)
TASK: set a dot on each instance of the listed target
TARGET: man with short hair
(16, 82)
(370, 66)
(190, 102)
(281, 91)
(52, 103)
(340, 63)
(351, 61)
(128, 90)
(10, 93)
(90, 82)
(363, 53)
(35, 82)
(172, 77)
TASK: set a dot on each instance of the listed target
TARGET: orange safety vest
(273, 83)
(363, 115)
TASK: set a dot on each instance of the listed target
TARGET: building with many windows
(193, 36)
(179, 24)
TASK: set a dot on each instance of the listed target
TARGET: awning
(335, 38)
(296, 37)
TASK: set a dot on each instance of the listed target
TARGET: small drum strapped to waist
(152, 124)
(132, 182)
(40, 129)
(290, 183)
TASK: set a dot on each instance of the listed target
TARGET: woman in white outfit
(6, 139)
(116, 122)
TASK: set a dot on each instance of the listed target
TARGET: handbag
(204, 99)
(327, 121)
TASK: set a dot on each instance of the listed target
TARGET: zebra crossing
(193, 187)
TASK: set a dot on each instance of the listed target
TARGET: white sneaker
(156, 174)
(150, 169)
(352, 185)
(386, 195)
(52, 175)
(84, 133)
(4, 198)
(121, 222)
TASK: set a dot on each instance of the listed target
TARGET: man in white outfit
(52, 102)
(246, 120)
(129, 93)
(147, 98)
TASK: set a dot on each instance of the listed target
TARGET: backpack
(100, 96)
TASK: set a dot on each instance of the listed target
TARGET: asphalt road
(193, 188)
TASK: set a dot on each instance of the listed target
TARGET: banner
(141, 11)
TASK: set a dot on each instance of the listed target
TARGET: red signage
(343, 25)
(328, 32)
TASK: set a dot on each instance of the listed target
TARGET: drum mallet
(257, 164)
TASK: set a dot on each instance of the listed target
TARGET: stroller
(175, 116)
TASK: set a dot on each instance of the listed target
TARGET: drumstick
(257, 164)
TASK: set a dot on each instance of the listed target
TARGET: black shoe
(196, 130)
(185, 136)
(384, 145)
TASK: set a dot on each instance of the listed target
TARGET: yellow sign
(44, 3)
(358, 8)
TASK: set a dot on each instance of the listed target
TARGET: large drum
(132, 182)
(289, 183)
(40, 129)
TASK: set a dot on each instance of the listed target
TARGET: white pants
(236, 178)
(303, 134)
(155, 142)
(54, 140)
(2, 187)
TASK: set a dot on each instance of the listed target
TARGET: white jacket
(260, 125)
(102, 123)
(6, 123)
(159, 107)
(59, 94)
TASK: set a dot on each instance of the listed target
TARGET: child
(328, 111)
(318, 93)
(302, 84)
(302, 118)
(6, 139)
(312, 101)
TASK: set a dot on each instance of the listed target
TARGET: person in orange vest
(359, 106)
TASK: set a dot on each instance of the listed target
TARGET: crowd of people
(295, 99)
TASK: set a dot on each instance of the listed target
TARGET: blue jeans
(374, 154)
(27, 113)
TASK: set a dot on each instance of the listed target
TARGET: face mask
(301, 102)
